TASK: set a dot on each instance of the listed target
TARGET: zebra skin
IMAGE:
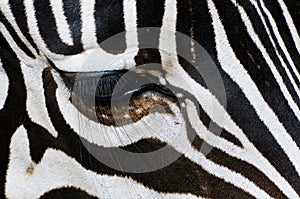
(238, 141)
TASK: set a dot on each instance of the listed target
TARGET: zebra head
(144, 99)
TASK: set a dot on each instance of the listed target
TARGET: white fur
(130, 19)
(89, 38)
(35, 103)
(167, 41)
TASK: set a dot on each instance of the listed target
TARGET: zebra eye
(113, 98)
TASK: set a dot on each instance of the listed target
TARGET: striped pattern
(46, 139)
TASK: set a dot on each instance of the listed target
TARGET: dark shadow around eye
(92, 93)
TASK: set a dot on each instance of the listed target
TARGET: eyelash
(104, 85)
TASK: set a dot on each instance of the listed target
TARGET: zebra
(48, 134)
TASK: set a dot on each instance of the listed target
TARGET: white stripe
(290, 24)
(35, 103)
(228, 59)
(167, 41)
(57, 170)
(93, 60)
(280, 40)
(4, 82)
(275, 72)
(4, 6)
(130, 18)
(61, 21)
(89, 39)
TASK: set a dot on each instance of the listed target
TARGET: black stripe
(67, 192)
(109, 22)
(195, 15)
(144, 146)
(48, 30)
(149, 14)
(294, 10)
(72, 13)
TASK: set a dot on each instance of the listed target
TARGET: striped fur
(45, 139)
